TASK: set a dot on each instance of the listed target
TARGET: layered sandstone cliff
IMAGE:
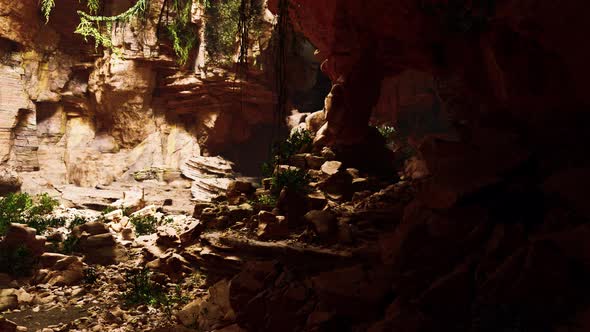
(73, 114)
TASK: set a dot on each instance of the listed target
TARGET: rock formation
(483, 226)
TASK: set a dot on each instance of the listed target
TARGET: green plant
(140, 289)
(294, 179)
(77, 221)
(265, 200)
(12, 208)
(173, 298)
(222, 29)
(42, 223)
(282, 151)
(69, 244)
(22, 208)
(144, 224)
(181, 31)
(388, 132)
(90, 275)
(18, 262)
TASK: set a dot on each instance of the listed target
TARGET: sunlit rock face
(72, 114)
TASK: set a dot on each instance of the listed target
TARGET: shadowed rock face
(513, 60)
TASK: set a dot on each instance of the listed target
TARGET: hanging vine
(281, 30)
(180, 30)
(178, 25)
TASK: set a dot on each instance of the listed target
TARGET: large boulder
(20, 236)
(10, 181)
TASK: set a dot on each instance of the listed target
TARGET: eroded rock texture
(73, 114)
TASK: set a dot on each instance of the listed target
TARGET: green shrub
(12, 208)
(141, 290)
(145, 224)
(42, 223)
(69, 245)
(18, 263)
(294, 179)
(90, 275)
(388, 133)
(33, 211)
(266, 200)
(77, 221)
(43, 204)
(299, 141)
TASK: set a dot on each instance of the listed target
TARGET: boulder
(49, 259)
(238, 213)
(149, 210)
(338, 288)
(65, 272)
(236, 188)
(19, 236)
(10, 181)
(114, 216)
(331, 167)
(298, 160)
(323, 222)
(271, 227)
(314, 162)
(338, 186)
(315, 121)
(6, 325)
(211, 310)
(317, 200)
(191, 232)
(172, 265)
(8, 300)
(101, 249)
(167, 236)
(91, 228)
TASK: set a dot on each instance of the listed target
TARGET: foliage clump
(141, 289)
(90, 275)
(145, 224)
(388, 133)
(19, 262)
(179, 28)
(296, 180)
(222, 29)
(299, 141)
(31, 210)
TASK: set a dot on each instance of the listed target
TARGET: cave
(294, 166)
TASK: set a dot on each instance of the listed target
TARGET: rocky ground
(337, 251)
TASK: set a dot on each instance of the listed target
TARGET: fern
(46, 7)
(180, 30)
(183, 35)
(93, 6)
(90, 25)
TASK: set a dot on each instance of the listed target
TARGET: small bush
(299, 141)
(24, 209)
(42, 204)
(42, 223)
(12, 208)
(294, 179)
(145, 224)
(266, 200)
(77, 221)
(69, 244)
(90, 275)
(141, 290)
(387, 132)
(18, 263)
